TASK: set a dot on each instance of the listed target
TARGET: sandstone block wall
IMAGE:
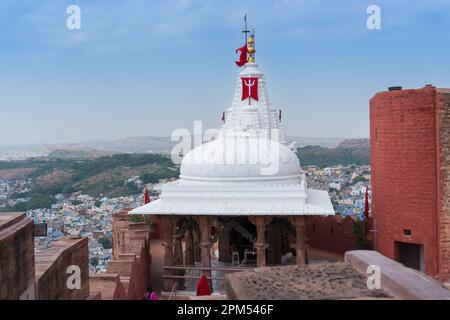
(409, 131)
(52, 272)
(332, 233)
(16, 255)
(443, 139)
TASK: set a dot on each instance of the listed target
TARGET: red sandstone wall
(120, 236)
(16, 256)
(107, 286)
(140, 275)
(443, 137)
(403, 157)
(156, 232)
(120, 292)
(131, 258)
(127, 279)
(51, 270)
(331, 233)
(128, 237)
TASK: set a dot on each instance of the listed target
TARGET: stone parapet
(52, 269)
(400, 281)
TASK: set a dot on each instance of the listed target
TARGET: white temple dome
(239, 156)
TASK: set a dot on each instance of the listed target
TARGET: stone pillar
(274, 251)
(178, 250)
(260, 244)
(189, 258)
(224, 244)
(168, 225)
(300, 242)
(205, 244)
(178, 259)
(204, 223)
(197, 251)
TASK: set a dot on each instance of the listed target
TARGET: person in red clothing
(203, 287)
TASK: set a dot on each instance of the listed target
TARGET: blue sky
(141, 68)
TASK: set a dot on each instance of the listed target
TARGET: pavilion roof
(316, 202)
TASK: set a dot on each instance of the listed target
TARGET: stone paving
(316, 281)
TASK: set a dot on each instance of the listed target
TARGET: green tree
(94, 261)
(141, 218)
(359, 179)
(105, 242)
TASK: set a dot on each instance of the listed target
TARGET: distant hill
(349, 151)
(103, 176)
(79, 154)
(311, 141)
(127, 145)
(164, 144)
(15, 173)
(147, 144)
(355, 144)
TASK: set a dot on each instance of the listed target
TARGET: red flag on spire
(203, 287)
(243, 56)
(146, 197)
(366, 204)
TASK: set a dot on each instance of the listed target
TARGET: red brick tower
(410, 155)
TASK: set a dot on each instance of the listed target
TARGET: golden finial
(251, 49)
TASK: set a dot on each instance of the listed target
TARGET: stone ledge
(400, 281)
(8, 219)
(105, 283)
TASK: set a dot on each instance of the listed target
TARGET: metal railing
(173, 293)
(220, 280)
(224, 269)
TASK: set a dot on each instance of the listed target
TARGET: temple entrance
(238, 235)
(410, 254)
(236, 241)
(242, 239)
(278, 234)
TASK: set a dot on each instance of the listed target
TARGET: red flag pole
(146, 196)
(366, 204)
